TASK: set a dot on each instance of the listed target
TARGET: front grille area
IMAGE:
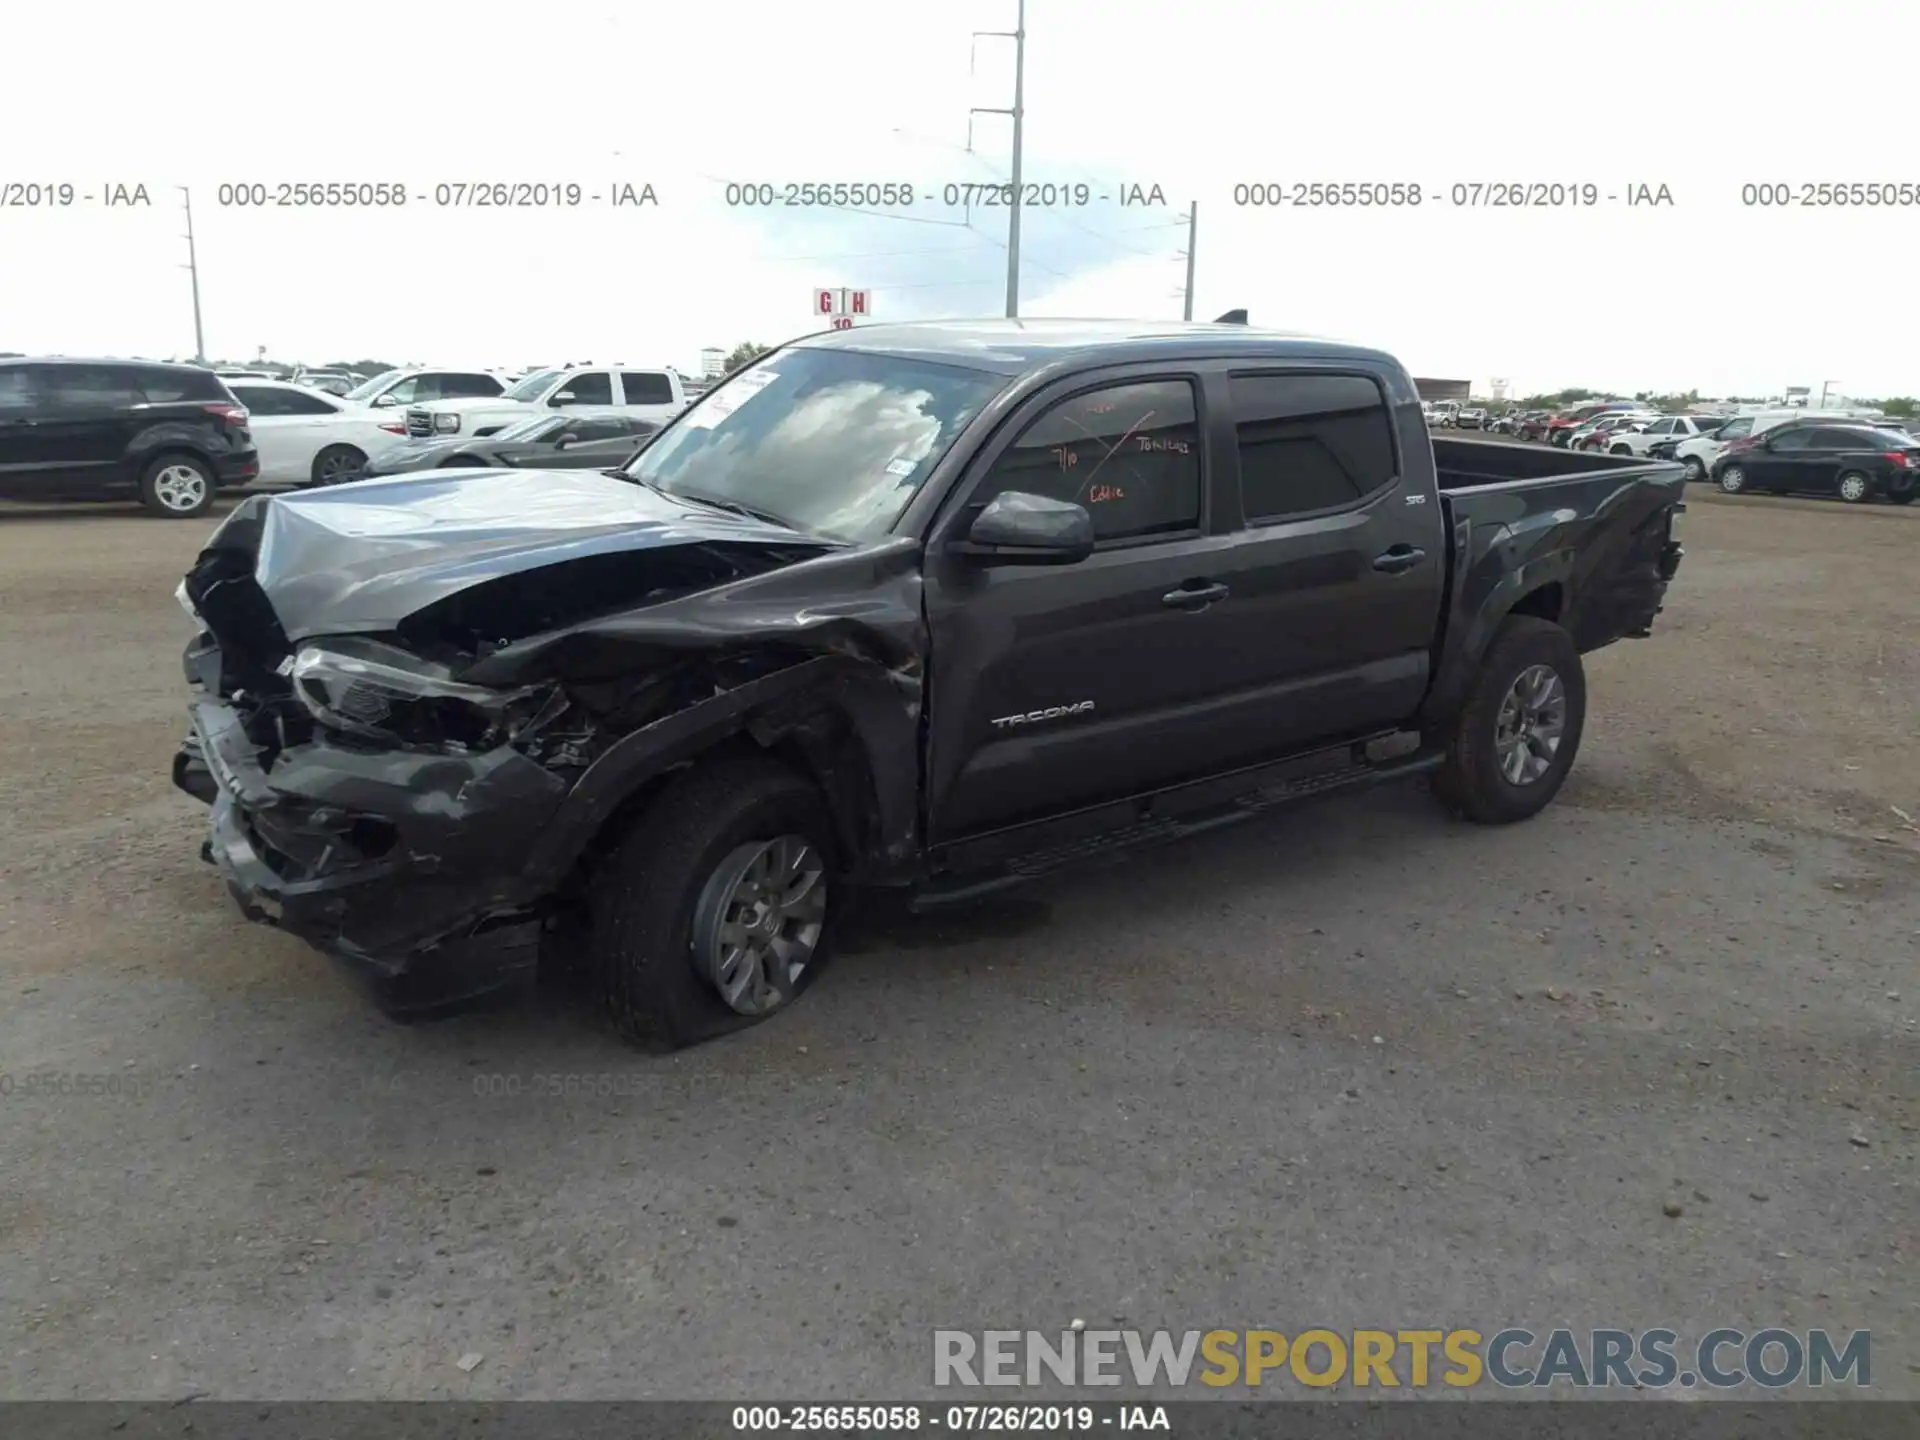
(419, 424)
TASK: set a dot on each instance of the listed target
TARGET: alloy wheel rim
(1853, 488)
(1733, 479)
(758, 922)
(1531, 725)
(334, 468)
(180, 487)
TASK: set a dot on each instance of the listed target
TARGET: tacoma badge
(1052, 712)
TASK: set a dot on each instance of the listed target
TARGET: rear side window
(89, 387)
(1843, 440)
(166, 387)
(646, 387)
(1129, 453)
(1310, 443)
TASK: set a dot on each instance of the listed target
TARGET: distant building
(1461, 390)
(713, 362)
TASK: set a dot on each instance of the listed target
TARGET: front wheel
(1696, 471)
(337, 464)
(1855, 488)
(1733, 480)
(178, 487)
(1517, 734)
(1621, 450)
(714, 913)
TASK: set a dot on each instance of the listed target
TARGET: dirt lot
(1355, 1065)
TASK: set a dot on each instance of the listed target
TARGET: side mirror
(565, 397)
(385, 402)
(1021, 529)
(565, 440)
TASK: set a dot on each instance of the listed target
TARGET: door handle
(1196, 595)
(1400, 557)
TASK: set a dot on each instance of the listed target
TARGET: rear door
(86, 426)
(1831, 453)
(1340, 553)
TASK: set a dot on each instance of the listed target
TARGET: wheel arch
(842, 723)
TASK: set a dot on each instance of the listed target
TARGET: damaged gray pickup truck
(931, 606)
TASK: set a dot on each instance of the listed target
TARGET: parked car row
(176, 435)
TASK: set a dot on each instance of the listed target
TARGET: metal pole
(1019, 115)
(193, 269)
(1193, 230)
(1823, 393)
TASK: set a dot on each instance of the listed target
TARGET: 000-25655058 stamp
(440, 195)
(947, 195)
(1460, 194)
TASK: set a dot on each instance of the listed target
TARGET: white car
(307, 438)
(1668, 427)
(1471, 419)
(393, 389)
(634, 391)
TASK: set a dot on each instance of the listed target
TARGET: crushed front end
(398, 852)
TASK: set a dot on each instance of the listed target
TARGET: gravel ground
(1350, 1066)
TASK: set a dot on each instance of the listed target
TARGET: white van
(1699, 453)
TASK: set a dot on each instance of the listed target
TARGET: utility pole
(1823, 393)
(193, 269)
(1193, 231)
(1019, 112)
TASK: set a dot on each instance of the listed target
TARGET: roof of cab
(1013, 347)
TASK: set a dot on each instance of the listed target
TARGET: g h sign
(842, 302)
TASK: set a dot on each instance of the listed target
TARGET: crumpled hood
(362, 557)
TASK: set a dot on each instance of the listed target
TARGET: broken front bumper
(405, 864)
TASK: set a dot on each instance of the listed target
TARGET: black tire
(1863, 491)
(337, 464)
(167, 486)
(463, 462)
(1621, 450)
(644, 899)
(1732, 480)
(1470, 783)
(1696, 471)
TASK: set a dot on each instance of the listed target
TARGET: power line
(193, 269)
(1018, 111)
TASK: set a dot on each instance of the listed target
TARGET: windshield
(831, 441)
(367, 389)
(532, 428)
(533, 386)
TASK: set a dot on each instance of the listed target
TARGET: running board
(1148, 830)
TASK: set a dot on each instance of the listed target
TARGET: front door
(1049, 687)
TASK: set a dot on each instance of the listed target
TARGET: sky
(1193, 100)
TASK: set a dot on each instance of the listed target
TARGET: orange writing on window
(1106, 492)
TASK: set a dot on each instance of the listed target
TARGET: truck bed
(1476, 464)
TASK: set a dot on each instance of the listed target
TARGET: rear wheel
(177, 486)
(338, 464)
(1855, 488)
(714, 913)
(1516, 737)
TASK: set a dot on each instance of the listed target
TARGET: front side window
(1734, 430)
(1129, 453)
(407, 392)
(834, 442)
(590, 387)
(1310, 443)
(469, 386)
(533, 386)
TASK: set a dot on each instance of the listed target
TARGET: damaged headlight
(180, 594)
(366, 697)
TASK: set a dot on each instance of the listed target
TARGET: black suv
(104, 429)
